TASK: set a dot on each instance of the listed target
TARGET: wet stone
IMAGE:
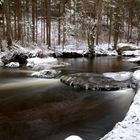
(90, 81)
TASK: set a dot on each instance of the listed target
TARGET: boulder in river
(90, 81)
(21, 58)
(46, 73)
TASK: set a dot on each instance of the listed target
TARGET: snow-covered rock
(70, 49)
(73, 137)
(1, 63)
(102, 49)
(134, 60)
(46, 74)
(136, 76)
(12, 56)
(105, 49)
(41, 63)
(2, 54)
(131, 53)
(12, 65)
(127, 49)
(119, 76)
(62, 64)
(98, 82)
(132, 46)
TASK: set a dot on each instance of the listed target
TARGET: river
(41, 109)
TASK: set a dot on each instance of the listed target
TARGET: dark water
(55, 111)
(97, 65)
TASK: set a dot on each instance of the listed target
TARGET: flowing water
(41, 109)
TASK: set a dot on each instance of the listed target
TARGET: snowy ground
(102, 49)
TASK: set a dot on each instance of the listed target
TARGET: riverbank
(129, 128)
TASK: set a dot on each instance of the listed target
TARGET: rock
(136, 77)
(15, 57)
(90, 81)
(123, 47)
(46, 74)
(68, 55)
(135, 68)
(12, 65)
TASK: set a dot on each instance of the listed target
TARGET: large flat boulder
(90, 81)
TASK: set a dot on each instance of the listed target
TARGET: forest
(54, 22)
(69, 69)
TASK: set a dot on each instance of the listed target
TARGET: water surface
(53, 111)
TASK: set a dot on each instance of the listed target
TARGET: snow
(119, 76)
(105, 49)
(132, 50)
(136, 76)
(13, 65)
(102, 49)
(41, 63)
(129, 128)
(131, 53)
(132, 46)
(136, 59)
(2, 54)
(73, 137)
(46, 74)
(79, 49)
(1, 63)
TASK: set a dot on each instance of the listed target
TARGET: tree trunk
(48, 23)
(8, 22)
(99, 18)
(33, 20)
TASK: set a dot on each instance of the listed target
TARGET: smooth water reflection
(96, 65)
